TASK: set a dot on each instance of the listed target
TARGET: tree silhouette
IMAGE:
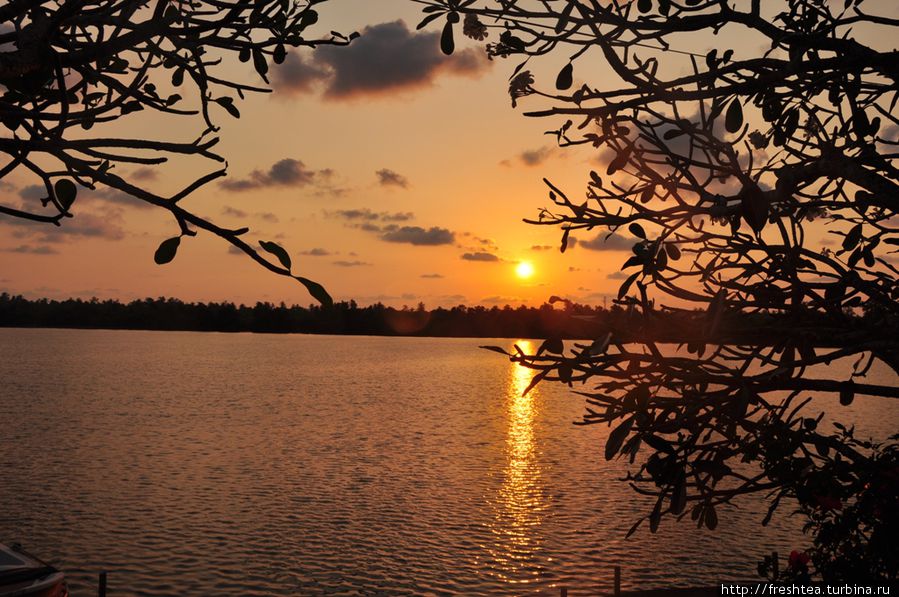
(71, 68)
(731, 169)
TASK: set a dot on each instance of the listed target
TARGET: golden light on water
(524, 270)
(521, 497)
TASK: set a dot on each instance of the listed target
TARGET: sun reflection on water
(521, 498)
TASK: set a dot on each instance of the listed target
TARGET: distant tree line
(556, 319)
(341, 318)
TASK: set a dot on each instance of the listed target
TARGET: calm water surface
(209, 464)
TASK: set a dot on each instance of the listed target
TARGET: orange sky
(386, 178)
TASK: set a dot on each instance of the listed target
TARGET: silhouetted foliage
(339, 318)
(731, 169)
(71, 70)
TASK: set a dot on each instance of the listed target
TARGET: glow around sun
(524, 270)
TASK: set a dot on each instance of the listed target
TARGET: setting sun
(524, 270)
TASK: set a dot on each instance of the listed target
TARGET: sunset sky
(390, 172)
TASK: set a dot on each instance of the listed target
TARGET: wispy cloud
(416, 235)
(288, 172)
(367, 215)
(85, 224)
(342, 263)
(389, 178)
(480, 256)
(612, 243)
(233, 212)
(316, 252)
(535, 157)
(32, 250)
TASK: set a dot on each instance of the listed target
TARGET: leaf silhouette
(733, 120)
(167, 250)
(617, 437)
(447, 45)
(65, 191)
(637, 230)
(317, 291)
(564, 79)
(278, 251)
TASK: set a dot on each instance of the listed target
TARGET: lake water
(213, 464)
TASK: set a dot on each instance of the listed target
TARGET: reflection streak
(521, 498)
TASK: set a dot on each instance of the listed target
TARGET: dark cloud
(542, 247)
(480, 256)
(384, 224)
(109, 226)
(231, 211)
(145, 174)
(350, 263)
(33, 191)
(612, 243)
(298, 75)
(367, 215)
(285, 173)
(416, 235)
(431, 276)
(316, 252)
(33, 250)
(389, 178)
(114, 196)
(535, 157)
(618, 276)
(389, 57)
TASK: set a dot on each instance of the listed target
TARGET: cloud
(33, 191)
(387, 58)
(618, 276)
(350, 263)
(367, 215)
(33, 250)
(480, 256)
(109, 226)
(416, 235)
(384, 225)
(297, 75)
(285, 173)
(268, 216)
(506, 300)
(145, 173)
(431, 276)
(572, 243)
(535, 157)
(389, 178)
(316, 252)
(230, 211)
(613, 243)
